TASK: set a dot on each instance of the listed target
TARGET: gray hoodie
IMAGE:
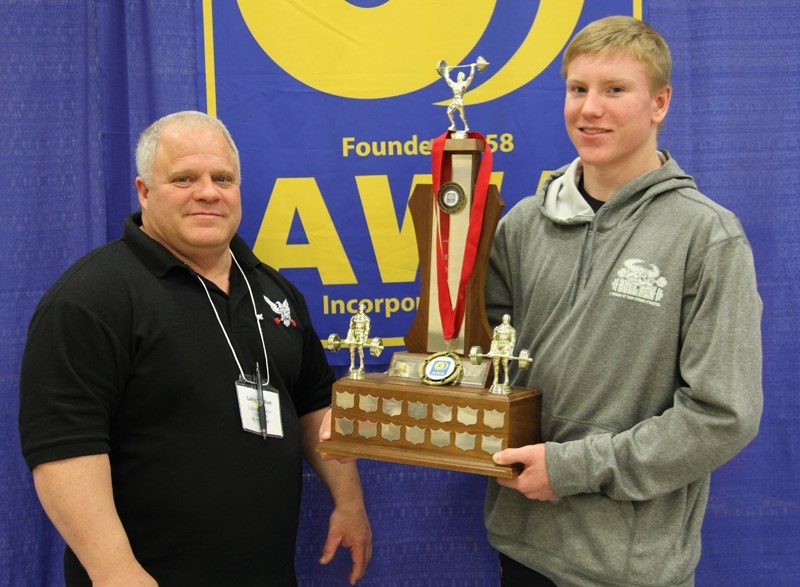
(643, 322)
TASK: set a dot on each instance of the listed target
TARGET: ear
(661, 104)
(142, 190)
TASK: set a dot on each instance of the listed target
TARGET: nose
(592, 106)
(206, 189)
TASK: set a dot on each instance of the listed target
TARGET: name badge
(260, 412)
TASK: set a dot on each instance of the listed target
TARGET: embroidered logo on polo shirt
(639, 281)
(284, 313)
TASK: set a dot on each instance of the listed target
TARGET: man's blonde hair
(624, 35)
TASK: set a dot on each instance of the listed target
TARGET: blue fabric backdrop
(81, 79)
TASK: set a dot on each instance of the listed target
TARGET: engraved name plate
(405, 366)
(418, 410)
(401, 369)
(345, 399)
(475, 375)
(343, 426)
(368, 403)
(390, 432)
(415, 434)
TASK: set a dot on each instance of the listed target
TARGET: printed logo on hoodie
(639, 281)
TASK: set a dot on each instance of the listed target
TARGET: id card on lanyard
(259, 407)
(259, 402)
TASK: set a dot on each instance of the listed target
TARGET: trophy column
(425, 333)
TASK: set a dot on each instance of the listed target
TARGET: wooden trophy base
(445, 427)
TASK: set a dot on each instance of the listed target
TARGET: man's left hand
(533, 482)
(349, 527)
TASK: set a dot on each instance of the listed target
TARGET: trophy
(432, 408)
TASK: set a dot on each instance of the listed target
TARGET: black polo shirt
(125, 356)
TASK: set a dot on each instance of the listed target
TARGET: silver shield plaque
(442, 413)
(491, 444)
(343, 426)
(392, 407)
(493, 418)
(345, 399)
(390, 432)
(467, 416)
(368, 403)
(367, 429)
(465, 440)
(418, 410)
(415, 434)
(440, 438)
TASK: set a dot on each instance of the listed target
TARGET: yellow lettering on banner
(395, 148)
(393, 242)
(386, 306)
(496, 178)
(324, 250)
(395, 247)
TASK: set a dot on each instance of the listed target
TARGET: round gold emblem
(440, 368)
(451, 198)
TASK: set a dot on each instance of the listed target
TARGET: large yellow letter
(395, 247)
(324, 250)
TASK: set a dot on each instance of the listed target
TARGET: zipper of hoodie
(589, 236)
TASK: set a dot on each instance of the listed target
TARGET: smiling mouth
(594, 131)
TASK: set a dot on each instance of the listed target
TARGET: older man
(163, 411)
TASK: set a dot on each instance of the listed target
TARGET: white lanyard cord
(258, 316)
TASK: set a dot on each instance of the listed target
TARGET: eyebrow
(615, 80)
(222, 170)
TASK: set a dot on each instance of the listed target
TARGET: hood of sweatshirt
(562, 203)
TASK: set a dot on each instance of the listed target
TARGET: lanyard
(259, 318)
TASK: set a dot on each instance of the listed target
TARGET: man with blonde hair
(636, 297)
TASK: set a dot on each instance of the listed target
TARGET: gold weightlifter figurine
(356, 339)
(501, 351)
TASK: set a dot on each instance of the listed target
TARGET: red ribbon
(452, 317)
